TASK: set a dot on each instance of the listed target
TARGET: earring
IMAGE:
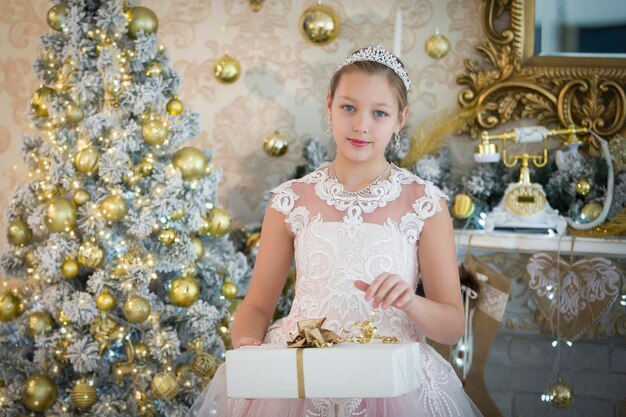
(396, 141)
(329, 127)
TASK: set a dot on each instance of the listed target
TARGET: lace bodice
(341, 236)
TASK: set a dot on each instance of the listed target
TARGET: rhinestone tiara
(382, 56)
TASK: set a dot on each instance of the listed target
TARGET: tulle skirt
(440, 395)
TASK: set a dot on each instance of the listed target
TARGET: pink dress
(339, 237)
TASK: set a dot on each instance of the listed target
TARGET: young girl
(361, 230)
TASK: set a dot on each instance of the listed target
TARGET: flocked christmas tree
(126, 264)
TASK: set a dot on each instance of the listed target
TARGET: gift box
(346, 370)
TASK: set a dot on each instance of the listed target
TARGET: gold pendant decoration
(184, 291)
(226, 69)
(105, 301)
(561, 394)
(136, 309)
(39, 393)
(19, 233)
(275, 144)
(70, 268)
(191, 162)
(11, 306)
(60, 215)
(437, 46)
(174, 106)
(229, 289)
(141, 19)
(90, 254)
(84, 395)
(319, 24)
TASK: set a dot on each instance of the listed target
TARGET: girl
(360, 229)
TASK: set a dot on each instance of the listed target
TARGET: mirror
(554, 90)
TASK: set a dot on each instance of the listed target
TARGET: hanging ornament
(275, 144)
(74, 113)
(70, 268)
(141, 351)
(39, 393)
(11, 306)
(164, 386)
(167, 236)
(145, 167)
(145, 406)
(561, 394)
(86, 161)
(105, 301)
(197, 248)
(583, 187)
(226, 69)
(81, 196)
(229, 289)
(319, 24)
(141, 19)
(40, 102)
(136, 309)
(178, 214)
(113, 208)
(30, 259)
(204, 365)
(184, 291)
(62, 318)
(218, 221)
(154, 129)
(590, 212)
(437, 46)
(60, 215)
(153, 69)
(253, 242)
(47, 191)
(256, 5)
(463, 206)
(57, 16)
(19, 233)
(191, 162)
(174, 106)
(90, 254)
(39, 322)
(84, 394)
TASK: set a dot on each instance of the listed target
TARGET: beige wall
(283, 82)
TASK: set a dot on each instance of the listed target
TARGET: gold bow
(313, 335)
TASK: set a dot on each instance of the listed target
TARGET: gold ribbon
(300, 370)
(311, 334)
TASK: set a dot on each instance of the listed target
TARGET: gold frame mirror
(555, 91)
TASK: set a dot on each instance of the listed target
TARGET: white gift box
(346, 370)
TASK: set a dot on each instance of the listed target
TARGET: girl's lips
(358, 143)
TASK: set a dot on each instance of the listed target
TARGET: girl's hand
(247, 341)
(388, 290)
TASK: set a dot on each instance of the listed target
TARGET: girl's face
(364, 114)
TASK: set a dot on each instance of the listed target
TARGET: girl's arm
(268, 279)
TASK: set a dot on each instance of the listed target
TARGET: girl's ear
(329, 103)
(402, 118)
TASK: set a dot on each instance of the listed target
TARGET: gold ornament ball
(84, 395)
(229, 289)
(437, 45)
(39, 393)
(145, 167)
(90, 254)
(253, 242)
(81, 196)
(182, 369)
(113, 208)
(11, 306)
(219, 222)
(174, 106)
(197, 247)
(184, 291)
(275, 144)
(40, 101)
(30, 258)
(70, 268)
(583, 187)
(590, 212)
(178, 214)
(167, 236)
(562, 394)
(47, 191)
(141, 19)
(204, 365)
(226, 69)
(74, 113)
(57, 16)
(141, 350)
(164, 386)
(60, 215)
(154, 129)
(105, 301)
(19, 233)
(136, 309)
(62, 318)
(86, 161)
(38, 323)
(463, 206)
(319, 24)
(191, 162)
(153, 69)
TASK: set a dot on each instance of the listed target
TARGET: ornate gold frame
(561, 91)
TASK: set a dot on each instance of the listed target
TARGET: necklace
(364, 190)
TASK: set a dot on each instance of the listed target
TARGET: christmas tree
(126, 266)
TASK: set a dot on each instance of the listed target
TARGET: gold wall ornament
(191, 162)
(136, 309)
(226, 69)
(39, 393)
(11, 306)
(563, 90)
(86, 160)
(57, 16)
(141, 19)
(275, 144)
(319, 24)
(60, 215)
(19, 233)
(84, 395)
(90, 254)
(437, 46)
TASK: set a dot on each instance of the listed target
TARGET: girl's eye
(348, 107)
(379, 113)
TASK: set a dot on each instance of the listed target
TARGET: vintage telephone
(525, 206)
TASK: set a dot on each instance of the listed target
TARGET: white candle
(397, 34)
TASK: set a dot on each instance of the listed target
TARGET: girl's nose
(360, 125)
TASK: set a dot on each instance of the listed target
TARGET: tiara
(382, 56)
